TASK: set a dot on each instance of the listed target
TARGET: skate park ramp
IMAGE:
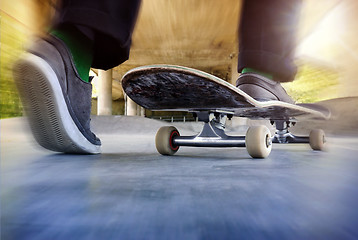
(131, 192)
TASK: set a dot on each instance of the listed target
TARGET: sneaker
(262, 88)
(56, 101)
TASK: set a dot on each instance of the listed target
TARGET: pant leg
(112, 22)
(267, 36)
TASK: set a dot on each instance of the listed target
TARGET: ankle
(80, 47)
(253, 70)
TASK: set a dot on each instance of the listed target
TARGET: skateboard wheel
(164, 140)
(258, 141)
(317, 139)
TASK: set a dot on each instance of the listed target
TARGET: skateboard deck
(213, 100)
(177, 88)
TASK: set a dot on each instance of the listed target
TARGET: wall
(20, 20)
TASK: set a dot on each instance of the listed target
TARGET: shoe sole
(45, 106)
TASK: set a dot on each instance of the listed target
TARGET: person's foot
(262, 88)
(56, 100)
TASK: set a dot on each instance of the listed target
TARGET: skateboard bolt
(268, 141)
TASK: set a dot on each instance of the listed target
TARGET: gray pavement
(131, 192)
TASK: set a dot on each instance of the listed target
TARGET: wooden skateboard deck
(177, 88)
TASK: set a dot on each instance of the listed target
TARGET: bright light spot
(94, 84)
(322, 43)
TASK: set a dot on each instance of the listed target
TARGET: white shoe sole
(45, 106)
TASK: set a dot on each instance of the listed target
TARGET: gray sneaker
(57, 102)
(262, 88)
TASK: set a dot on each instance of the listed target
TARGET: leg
(51, 76)
(108, 23)
(267, 41)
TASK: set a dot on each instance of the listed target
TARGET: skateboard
(213, 101)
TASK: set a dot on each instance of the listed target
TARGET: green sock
(81, 48)
(252, 70)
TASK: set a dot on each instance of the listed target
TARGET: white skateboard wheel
(317, 139)
(164, 140)
(258, 141)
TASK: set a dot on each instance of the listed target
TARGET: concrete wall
(20, 20)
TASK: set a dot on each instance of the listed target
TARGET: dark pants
(266, 34)
(112, 22)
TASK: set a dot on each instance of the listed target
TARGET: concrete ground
(132, 192)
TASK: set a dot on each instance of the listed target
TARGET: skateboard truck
(316, 139)
(257, 141)
(212, 134)
(282, 135)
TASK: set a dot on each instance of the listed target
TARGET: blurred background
(130, 192)
(202, 34)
